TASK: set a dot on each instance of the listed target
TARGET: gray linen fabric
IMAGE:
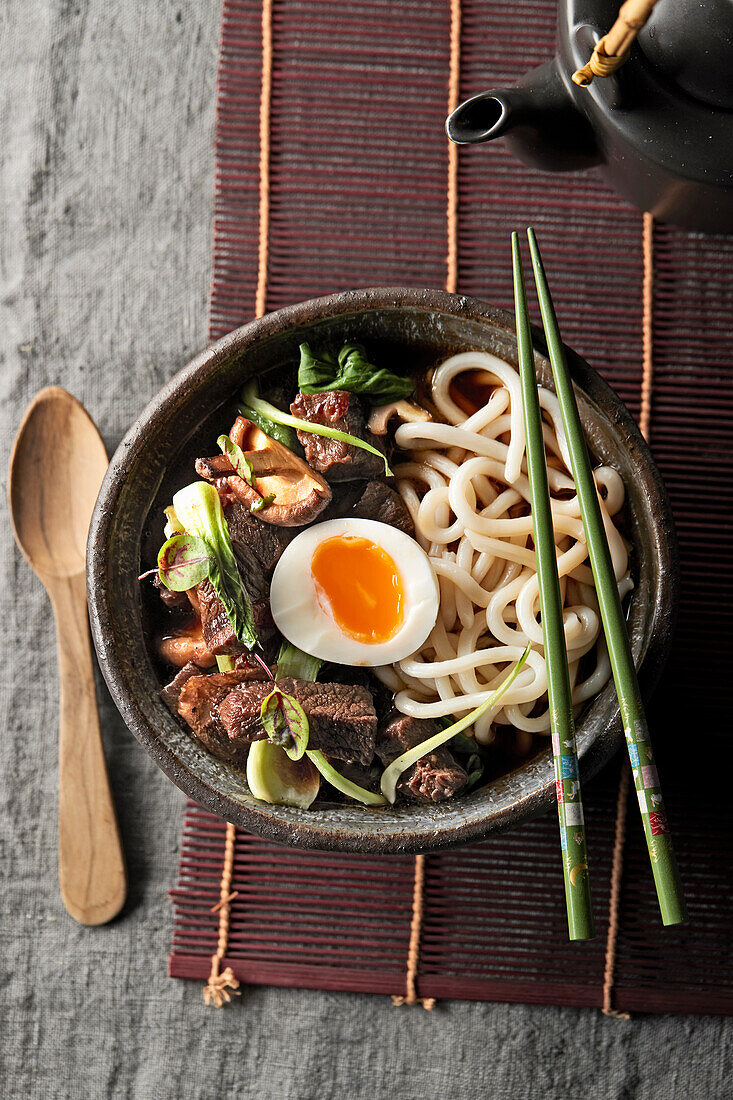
(106, 124)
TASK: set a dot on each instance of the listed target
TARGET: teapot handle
(612, 50)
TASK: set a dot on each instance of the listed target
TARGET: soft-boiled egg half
(356, 592)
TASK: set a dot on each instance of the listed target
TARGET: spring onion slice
(392, 773)
(352, 790)
(296, 664)
(251, 400)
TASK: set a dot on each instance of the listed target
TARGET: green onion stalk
(261, 412)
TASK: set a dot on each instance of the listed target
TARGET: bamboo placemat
(339, 176)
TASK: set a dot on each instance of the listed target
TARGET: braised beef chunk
(434, 777)
(341, 717)
(245, 662)
(198, 705)
(172, 691)
(380, 502)
(257, 547)
(217, 629)
(370, 500)
(337, 461)
(177, 601)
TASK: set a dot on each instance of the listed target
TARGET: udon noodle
(464, 482)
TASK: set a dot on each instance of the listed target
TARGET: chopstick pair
(646, 780)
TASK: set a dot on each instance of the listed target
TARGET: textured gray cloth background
(106, 121)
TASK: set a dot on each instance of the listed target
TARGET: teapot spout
(539, 119)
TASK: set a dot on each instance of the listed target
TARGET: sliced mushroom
(186, 646)
(407, 411)
(299, 493)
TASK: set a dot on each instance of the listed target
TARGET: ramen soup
(350, 604)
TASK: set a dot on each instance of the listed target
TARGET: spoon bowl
(55, 497)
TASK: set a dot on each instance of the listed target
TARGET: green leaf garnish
(271, 717)
(297, 726)
(237, 459)
(353, 372)
(281, 432)
(475, 770)
(297, 665)
(255, 404)
(184, 561)
(392, 773)
(353, 790)
(262, 502)
(285, 722)
(172, 526)
(199, 511)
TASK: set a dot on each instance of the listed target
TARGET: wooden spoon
(56, 469)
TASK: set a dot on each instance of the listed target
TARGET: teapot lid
(691, 43)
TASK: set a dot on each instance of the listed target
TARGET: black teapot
(661, 126)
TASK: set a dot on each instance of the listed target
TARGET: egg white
(300, 617)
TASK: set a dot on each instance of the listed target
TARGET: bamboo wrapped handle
(613, 49)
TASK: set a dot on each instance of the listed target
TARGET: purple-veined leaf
(237, 459)
(183, 561)
(271, 717)
(285, 723)
(296, 721)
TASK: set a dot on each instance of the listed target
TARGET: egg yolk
(358, 584)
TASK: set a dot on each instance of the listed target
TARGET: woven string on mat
(645, 413)
(222, 984)
(410, 996)
(216, 990)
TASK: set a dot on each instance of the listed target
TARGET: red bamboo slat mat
(358, 178)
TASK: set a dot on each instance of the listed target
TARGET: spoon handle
(92, 873)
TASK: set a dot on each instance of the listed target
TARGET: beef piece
(337, 461)
(380, 502)
(341, 717)
(344, 495)
(434, 777)
(245, 662)
(370, 500)
(172, 691)
(176, 601)
(257, 547)
(198, 704)
(217, 629)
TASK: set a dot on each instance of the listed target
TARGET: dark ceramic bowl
(154, 459)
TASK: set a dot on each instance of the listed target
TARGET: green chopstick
(560, 696)
(648, 791)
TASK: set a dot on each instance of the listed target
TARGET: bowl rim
(264, 821)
